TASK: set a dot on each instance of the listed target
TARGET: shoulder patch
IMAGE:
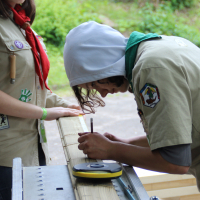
(150, 95)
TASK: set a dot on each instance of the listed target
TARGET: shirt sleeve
(164, 96)
(54, 100)
(177, 154)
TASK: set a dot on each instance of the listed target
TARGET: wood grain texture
(171, 186)
(69, 127)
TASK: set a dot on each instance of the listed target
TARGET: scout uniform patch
(150, 95)
(25, 94)
(18, 44)
(4, 124)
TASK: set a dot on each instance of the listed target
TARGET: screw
(154, 198)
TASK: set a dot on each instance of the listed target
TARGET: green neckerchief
(131, 51)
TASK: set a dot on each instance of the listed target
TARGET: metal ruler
(41, 182)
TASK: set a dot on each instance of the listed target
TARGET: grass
(57, 79)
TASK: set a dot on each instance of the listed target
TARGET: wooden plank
(170, 184)
(188, 197)
(164, 178)
(174, 192)
(69, 127)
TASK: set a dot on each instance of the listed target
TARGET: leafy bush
(124, 1)
(181, 4)
(164, 21)
(54, 19)
(161, 21)
(175, 4)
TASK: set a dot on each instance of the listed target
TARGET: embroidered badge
(150, 95)
(39, 37)
(4, 124)
(25, 94)
(18, 44)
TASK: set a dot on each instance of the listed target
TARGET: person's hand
(95, 145)
(74, 106)
(56, 112)
(78, 108)
(114, 138)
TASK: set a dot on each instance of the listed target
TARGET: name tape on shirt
(150, 95)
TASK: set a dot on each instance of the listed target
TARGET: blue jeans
(5, 183)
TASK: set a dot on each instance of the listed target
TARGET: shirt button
(38, 87)
(12, 47)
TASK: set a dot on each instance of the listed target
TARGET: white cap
(93, 52)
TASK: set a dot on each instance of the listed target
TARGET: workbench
(58, 183)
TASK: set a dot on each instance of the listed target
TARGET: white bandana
(93, 52)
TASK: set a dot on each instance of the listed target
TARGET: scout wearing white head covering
(92, 52)
(169, 66)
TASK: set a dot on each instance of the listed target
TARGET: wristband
(44, 114)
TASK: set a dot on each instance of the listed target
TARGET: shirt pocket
(25, 65)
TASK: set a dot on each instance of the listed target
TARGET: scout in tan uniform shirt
(21, 103)
(162, 72)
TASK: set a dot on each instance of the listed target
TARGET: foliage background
(54, 19)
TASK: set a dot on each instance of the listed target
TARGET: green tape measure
(97, 170)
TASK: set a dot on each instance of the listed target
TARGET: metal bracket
(17, 179)
(41, 182)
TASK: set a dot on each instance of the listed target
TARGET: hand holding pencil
(95, 145)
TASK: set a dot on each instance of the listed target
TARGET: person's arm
(138, 141)
(54, 100)
(13, 107)
(97, 146)
(143, 157)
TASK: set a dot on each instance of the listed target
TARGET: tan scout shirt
(166, 81)
(18, 136)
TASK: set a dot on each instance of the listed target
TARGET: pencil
(91, 124)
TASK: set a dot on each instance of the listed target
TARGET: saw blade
(123, 188)
(119, 190)
(129, 186)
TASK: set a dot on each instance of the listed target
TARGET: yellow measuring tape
(97, 170)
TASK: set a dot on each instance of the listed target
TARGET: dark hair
(90, 100)
(28, 6)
